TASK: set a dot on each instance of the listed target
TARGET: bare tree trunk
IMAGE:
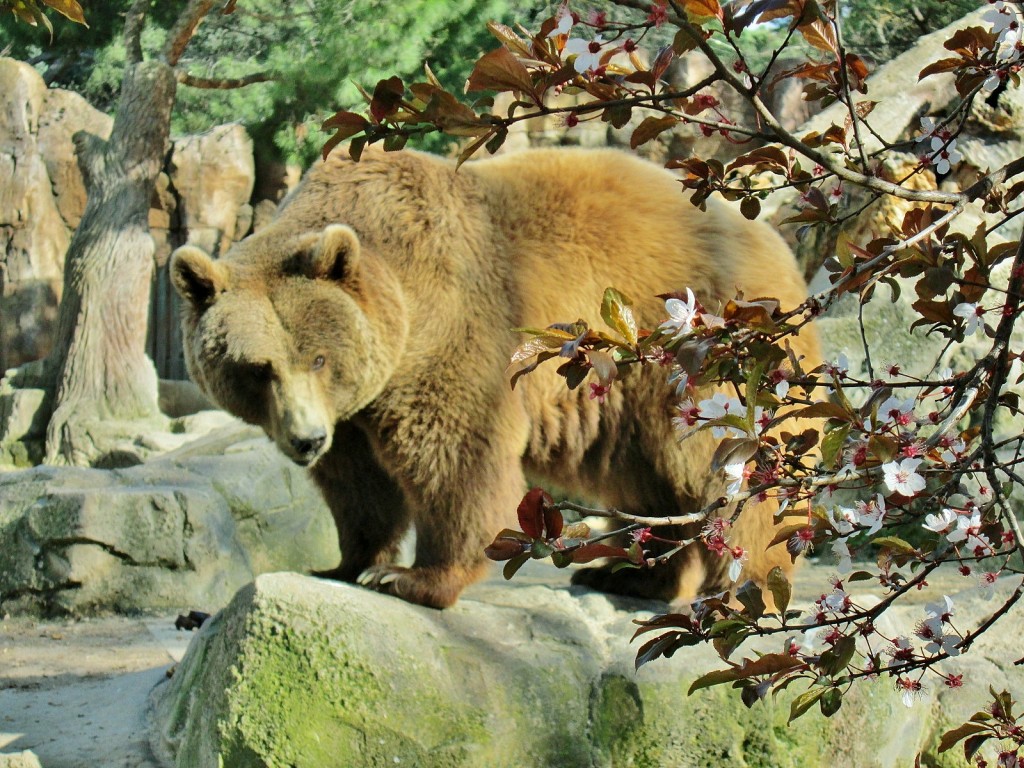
(99, 366)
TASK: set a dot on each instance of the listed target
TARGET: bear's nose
(310, 444)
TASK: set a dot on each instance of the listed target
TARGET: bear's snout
(308, 447)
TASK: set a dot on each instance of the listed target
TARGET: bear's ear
(197, 278)
(335, 256)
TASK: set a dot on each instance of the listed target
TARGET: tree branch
(134, 21)
(224, 83)
(184, 28)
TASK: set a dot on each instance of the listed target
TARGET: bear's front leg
(368, 507)
(455, 518)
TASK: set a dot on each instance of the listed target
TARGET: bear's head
(292, 333)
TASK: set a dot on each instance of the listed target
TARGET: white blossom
(896, 411)
(944, 155)
(941, 610)
(681, 315)
(736, 473)
(739, 556)
(719, 405)
(965, 526)
(564, 24)
(901, 477)
(587, 53)
(941, 522)
(971, 314)
(842, 551)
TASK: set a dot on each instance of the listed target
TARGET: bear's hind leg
(681, 576)
(368, 507)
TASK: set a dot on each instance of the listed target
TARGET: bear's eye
(318, 362)
(261, 372)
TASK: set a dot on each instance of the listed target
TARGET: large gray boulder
(183, 531)
(302, 672)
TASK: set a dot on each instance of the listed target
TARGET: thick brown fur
(368, 328)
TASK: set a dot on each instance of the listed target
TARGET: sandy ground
(75, 693)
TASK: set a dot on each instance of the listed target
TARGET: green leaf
(395, 142)
(950, 738)
(896, 544)
(749, 595)
(832, 445)
(716, 677)
(780, 588)
(753, 383)
(618, 115)
(514, 565)
(726, 643)
(540, 550)
(684, 41)
(618, 314)
(729, 420)
(822, 410)
(561, 559)
(830, 702)
(836, 658)
(804, 702)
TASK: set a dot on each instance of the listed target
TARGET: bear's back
(603, 218)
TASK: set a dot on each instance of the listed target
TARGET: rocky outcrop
(183, 531)
(204, 197)
(33, 235)
(213, 176)
(299, 671)
(25, 759)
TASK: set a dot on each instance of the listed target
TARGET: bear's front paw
(434, 586)
(382, 578)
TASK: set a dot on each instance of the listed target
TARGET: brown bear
(367, 329)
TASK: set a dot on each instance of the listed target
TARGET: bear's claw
(378, 577)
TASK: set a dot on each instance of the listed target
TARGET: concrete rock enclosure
(181, 532)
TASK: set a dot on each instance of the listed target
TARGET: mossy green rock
(307, 673)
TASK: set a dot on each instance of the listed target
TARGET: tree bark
(101, 372)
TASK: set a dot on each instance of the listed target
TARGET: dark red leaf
(499, 70)
(387, 96)
(590, 552)
(506, 545)
(531, 512)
